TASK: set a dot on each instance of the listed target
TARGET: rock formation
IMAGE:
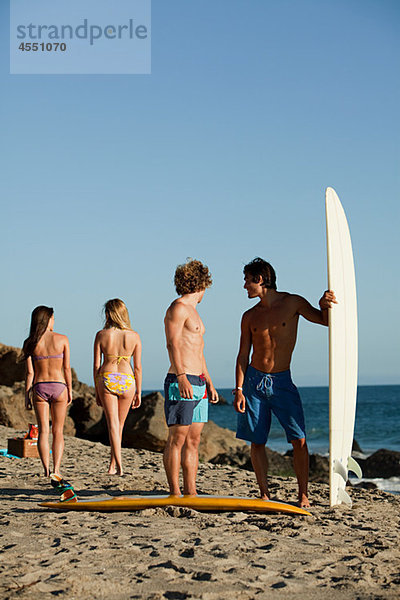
(383, 463)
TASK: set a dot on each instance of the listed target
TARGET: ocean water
(377, 422)
(377, 418)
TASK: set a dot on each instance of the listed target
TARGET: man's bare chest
(278, 321)
(194, 325)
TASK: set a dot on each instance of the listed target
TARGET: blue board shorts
(180, 411)
(268, 393)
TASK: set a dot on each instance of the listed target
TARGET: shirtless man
(266, 385)
(188, 382)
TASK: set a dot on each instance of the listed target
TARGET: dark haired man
(265, 385)
(188, 382)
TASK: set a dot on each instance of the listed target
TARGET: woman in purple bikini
(118, 387)
(48, 381)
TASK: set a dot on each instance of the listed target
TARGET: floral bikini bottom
(117, 383)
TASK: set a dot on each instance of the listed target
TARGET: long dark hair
(40, 318)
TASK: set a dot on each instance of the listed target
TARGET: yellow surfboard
(202, 503)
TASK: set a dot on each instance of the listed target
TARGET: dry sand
(179, 553)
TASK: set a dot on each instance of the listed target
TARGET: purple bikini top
(35, 357)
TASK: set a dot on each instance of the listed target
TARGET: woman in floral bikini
(118, 387)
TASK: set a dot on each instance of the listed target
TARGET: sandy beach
(180, 553)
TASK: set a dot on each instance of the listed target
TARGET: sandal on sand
(69, 496)
(64, 488)
(58, 483)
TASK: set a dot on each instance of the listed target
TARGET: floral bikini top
(118, 358)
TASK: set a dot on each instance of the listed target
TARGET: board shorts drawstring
(266, 385)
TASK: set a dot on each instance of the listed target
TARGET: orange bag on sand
(33, 432)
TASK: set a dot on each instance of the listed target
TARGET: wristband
(180, 374)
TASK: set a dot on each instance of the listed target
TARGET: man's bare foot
(303, 502)
(264, 494)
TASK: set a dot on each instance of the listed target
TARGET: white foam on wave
(391, 485)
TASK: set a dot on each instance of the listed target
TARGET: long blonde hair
(116, 314)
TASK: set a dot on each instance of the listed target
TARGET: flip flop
(69, 496)
(58, 483)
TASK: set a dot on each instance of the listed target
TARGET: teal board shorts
(181, 411)
(268, 393)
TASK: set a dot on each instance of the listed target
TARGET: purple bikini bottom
(49, 390)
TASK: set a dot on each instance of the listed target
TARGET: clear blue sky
(223, 153)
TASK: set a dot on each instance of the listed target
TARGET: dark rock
(319, 467)
(217, 440)
(12, 407)
(366, 485)
(240, 457)
(145, 426)
(356, 447)
(85, 414)
(279, 464)
(11, 367)
(383, 463)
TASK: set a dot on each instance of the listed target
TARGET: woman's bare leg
(42, 415)
(116, 409)
(124, 404)
(58, 413)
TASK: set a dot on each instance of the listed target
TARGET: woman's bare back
(49, 356)
(117, 347)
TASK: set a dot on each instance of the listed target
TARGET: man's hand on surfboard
(328, 298)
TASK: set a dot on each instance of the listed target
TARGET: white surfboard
(343, 350)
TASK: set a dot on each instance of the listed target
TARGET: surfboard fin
(344, 497)
(340, 469)
(354, 467)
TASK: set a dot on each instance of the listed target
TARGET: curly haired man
(188, 384)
